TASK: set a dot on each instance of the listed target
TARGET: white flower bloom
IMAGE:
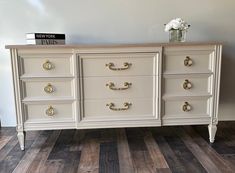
(168, 27)
(177, 23)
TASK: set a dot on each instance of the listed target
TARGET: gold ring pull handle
(111, 86)
(187, 84)
(47, 65)
(112, 106)
(188, 61)
(50, 111)
(49, 88)
(186, 107)
(111, 66)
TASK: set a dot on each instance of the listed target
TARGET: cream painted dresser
(110, 86)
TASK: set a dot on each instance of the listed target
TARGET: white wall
(116, 21)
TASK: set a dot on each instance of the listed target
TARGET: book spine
(45, 41)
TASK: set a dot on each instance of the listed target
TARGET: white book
(45, 41)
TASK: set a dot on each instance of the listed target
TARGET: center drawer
(120, 109)
(123, 64)
(118, 87)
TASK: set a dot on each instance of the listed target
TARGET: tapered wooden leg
(212, 128)
(21, 138)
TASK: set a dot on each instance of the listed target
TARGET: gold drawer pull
(186, 107)
(47, 65)
(125, 64)
(49, 88)
(111, 86)
(188, 61)
(112, 106)
(187, 84)
(50, 111)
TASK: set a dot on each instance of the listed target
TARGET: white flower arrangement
(176, 24)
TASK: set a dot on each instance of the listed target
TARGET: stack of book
(45, 38)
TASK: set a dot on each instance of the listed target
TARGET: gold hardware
(125, 64)
(47, 65)
(186, 107)
(112, 106)
(49, 88)
(111, 86)
(188, 61)
(187, 84)
(50, 111)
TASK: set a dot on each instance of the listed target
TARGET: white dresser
(110, 86)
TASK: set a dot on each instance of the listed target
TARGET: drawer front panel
(118, 87)
(58, 112)
(47, 65)
(139, 64)
(187, 85)
(48, 88)
(98, 109)
(186, 108)
(182, 62)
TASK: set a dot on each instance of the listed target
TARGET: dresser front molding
(112, 86)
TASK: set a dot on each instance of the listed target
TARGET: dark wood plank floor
(182, 149)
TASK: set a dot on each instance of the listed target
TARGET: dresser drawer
(138, 64)
(186, 108)
(189, 61)
(52, 88)
(117, 109)
(49, 112)
(118, 87)
(187, 85)
(47, 65)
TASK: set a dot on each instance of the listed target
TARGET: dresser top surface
(77, 46)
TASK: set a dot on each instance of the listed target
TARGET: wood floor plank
(142, 161)
(31, 153)
(155, 153)
(7, 131)
(202, 157)
(108, 159)
(8, 147)
(175, 165)
(209, 151)
(53, 166)
(13, 158)
(75, 147)
(227, 137)
(230, 160)
(37, 165)
(62, 150)
(89, 160)
(76, 144)
(4, 140)
(155, 150)
(220, 144)
(163, 170)
(184, 155)
(124, 155)
(108, 135)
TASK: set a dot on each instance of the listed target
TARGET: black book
(47, 36)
